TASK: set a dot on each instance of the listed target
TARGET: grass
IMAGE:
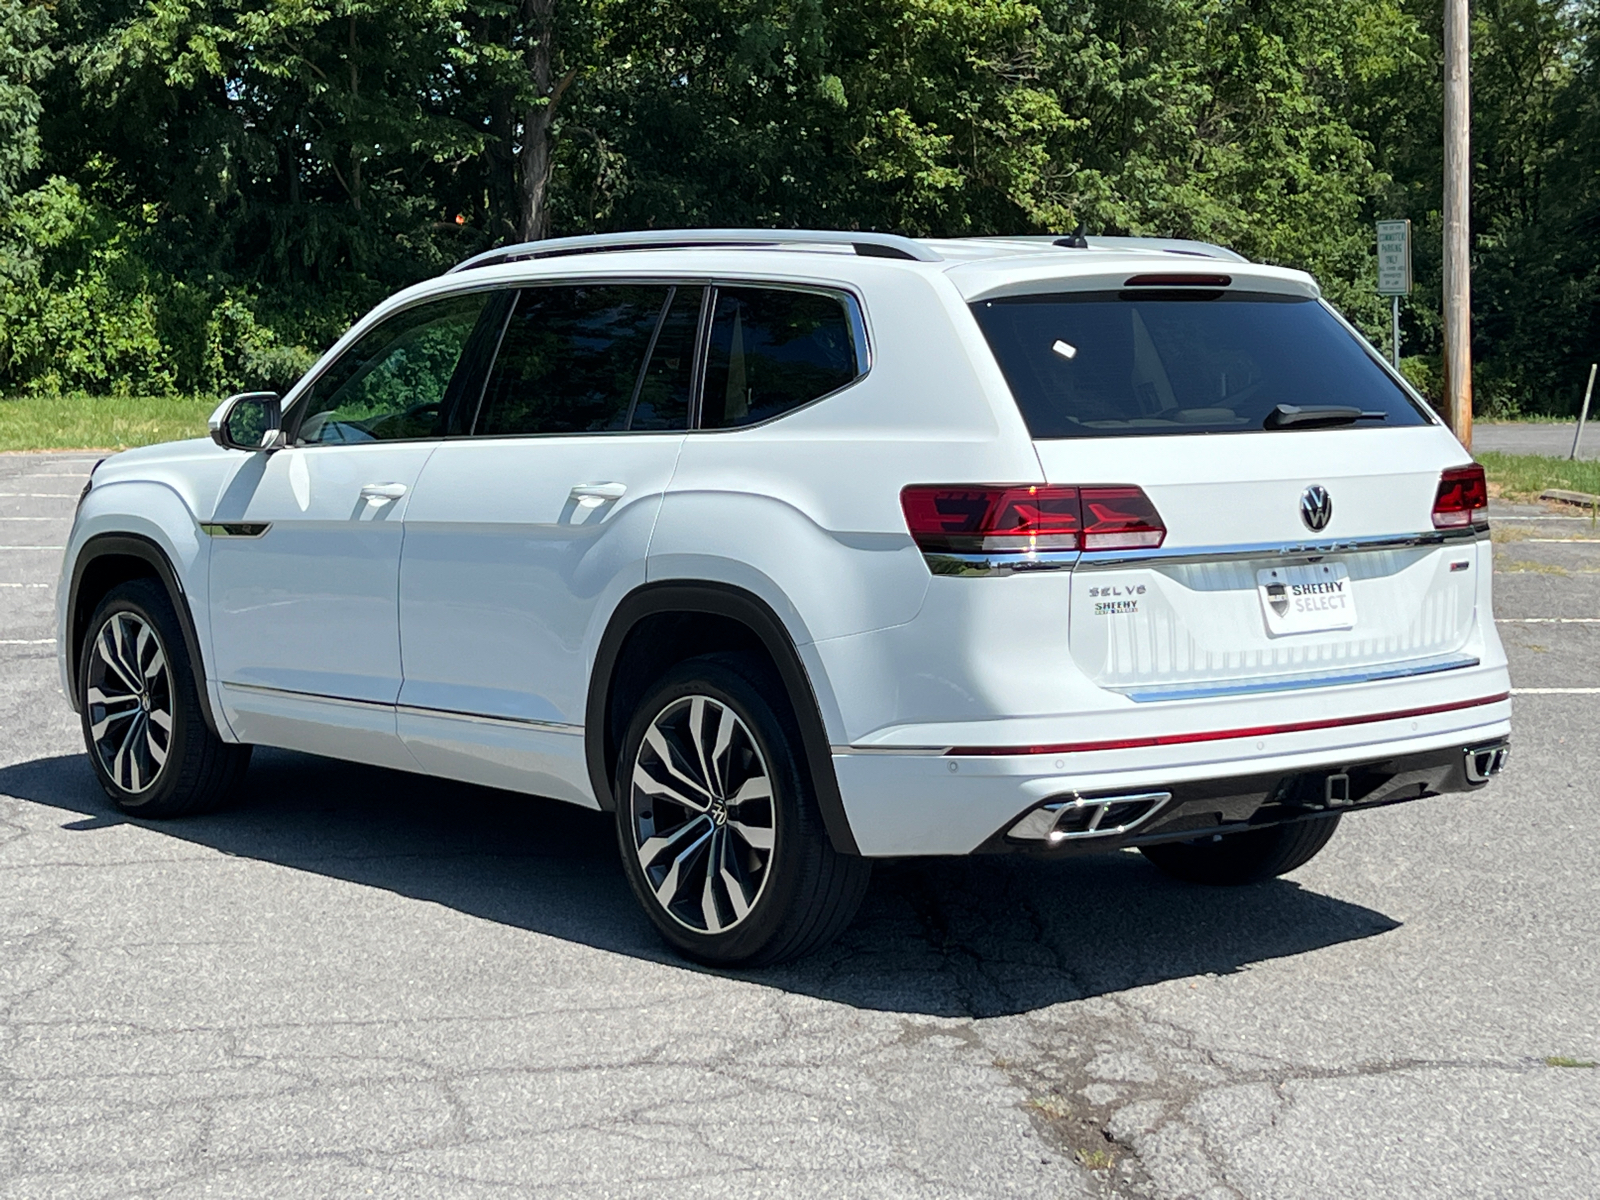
(1561, 1060)
(100, 422)
(1524, 476)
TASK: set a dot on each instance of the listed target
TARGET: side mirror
(248, 421)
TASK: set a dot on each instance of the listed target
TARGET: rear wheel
(1244, 857)
(142, 721)
(720, 833)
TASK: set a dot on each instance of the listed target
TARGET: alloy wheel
(702, 814)
(129, 701)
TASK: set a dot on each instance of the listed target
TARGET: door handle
(382, 493)
(592, 495)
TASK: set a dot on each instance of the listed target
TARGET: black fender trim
(132, 545)
(749, 610)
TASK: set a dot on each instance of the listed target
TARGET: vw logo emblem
(1316, 507)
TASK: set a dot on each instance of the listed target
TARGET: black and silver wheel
(128, 704)
(142, 722)
(1248, 857)
(720, 833)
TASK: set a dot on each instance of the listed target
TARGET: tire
(779, 890)
(1244, 857)
(142, 722)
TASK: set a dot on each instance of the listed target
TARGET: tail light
(974, 520)
(1462, 499)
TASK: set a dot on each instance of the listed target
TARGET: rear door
(1295, 478)
(522, 537)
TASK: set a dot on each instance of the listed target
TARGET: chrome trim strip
(415, 710)
(1294, 683)
(238, 529)
(1099, 560)
(999, 562)
(264, 690)
(412, 710)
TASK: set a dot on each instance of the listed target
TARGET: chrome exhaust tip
(1067, 818)
(1485, 762)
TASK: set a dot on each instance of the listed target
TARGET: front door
(523, 536)
(306, 542)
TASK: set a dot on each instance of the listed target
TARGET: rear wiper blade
(1286, 416)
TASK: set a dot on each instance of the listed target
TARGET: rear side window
(1114, 364)
(570, 361)
(772, 350)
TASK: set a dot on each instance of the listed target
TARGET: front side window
(1116, 364)
(570, 360)
(772, 350)
(394, 382)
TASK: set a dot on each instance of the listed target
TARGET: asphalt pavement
(1553, 439)
(358, 982)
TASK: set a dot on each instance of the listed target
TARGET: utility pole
(1457, 221)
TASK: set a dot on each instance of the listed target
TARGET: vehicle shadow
(968, 937)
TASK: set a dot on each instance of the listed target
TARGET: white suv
(799, 549)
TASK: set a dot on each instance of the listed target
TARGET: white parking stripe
(27, 641)
(30, 518)
(1595, 691)
(1581, 541)
(32, 547)
(1547, 620)
(40, 495)
(24, 585)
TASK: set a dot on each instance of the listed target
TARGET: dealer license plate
(1306, 599)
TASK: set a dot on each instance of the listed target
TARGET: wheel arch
(106, 560)
(702, 616)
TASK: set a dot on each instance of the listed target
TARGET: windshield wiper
(1287, 416)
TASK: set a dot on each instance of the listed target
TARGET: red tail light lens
(968, 520)
(1462, 499)
(1120, 518)
(971, 520)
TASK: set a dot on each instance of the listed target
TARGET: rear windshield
(1113, 364)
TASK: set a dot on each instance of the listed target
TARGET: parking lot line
(27, 641)
(1594, 691)
(1547, 620)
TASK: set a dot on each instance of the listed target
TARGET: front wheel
(720, 833)
(142, 722)
(1247, 857)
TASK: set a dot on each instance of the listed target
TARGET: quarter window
(394, 382)
(772, 350)
(570, 360)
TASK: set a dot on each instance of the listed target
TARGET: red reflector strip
(1219, 735)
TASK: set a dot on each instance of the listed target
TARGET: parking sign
(1394, 258)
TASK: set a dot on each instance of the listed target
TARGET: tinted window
(774, 350)
(1102, 364)
(570, 359)
(395, 381)
(663, 400)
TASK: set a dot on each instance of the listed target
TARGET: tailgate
(1243, 595)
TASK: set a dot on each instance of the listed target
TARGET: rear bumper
(926, 802)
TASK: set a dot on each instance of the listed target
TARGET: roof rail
(871, 245)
